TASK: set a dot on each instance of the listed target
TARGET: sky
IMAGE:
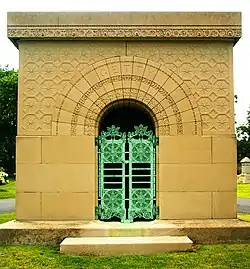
(9, 53)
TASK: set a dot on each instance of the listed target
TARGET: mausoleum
(125, 116)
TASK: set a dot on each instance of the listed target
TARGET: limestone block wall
(197, 175)
(55, 177)
(56, 172)
(64, 86)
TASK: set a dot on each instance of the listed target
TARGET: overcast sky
(9, 54)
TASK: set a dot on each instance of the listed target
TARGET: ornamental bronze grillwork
(127, 190)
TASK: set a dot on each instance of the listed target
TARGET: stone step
(117, 229)
(111, 246)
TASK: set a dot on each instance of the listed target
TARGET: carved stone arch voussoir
(127, 77)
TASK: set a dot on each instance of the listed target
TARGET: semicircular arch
(127, 77)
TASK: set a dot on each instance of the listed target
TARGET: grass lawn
(242, 216)
(208, 256)
(243, 191)
(8, 190)
(7, 217)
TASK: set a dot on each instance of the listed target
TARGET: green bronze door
(126, 175)
(111, 179)
(142, 174)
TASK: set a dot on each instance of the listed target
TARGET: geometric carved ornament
(85, 96)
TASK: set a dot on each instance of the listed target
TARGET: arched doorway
(126, 163)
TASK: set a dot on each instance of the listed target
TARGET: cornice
(133, 32)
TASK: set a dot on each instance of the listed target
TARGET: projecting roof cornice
(124, 25)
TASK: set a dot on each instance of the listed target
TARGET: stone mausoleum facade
(125, 116)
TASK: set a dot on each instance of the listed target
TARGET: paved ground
(8, 205)
(243, 205)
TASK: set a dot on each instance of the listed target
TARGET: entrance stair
(114, 238)
(110, 246)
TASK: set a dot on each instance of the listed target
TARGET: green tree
(8, 118)
(243, 139)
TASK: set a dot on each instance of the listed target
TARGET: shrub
(3, 177)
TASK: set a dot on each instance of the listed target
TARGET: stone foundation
(54, 232)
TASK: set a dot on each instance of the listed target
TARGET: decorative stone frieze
(123, 25)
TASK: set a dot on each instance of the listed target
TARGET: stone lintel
(124, 25)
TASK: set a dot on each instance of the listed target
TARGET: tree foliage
(8, 118)
(243, 139)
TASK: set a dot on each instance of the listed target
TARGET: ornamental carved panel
(64, 86)
(45, 70)
(117, 78)
(207, 70)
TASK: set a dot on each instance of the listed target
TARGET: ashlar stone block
(185, 205)
(28, 206)
(28, 149)
(68, 206)
(68, 149)
(184, 149)
(197, 177)
(56, 177)
(224, 205)
(224, 149)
